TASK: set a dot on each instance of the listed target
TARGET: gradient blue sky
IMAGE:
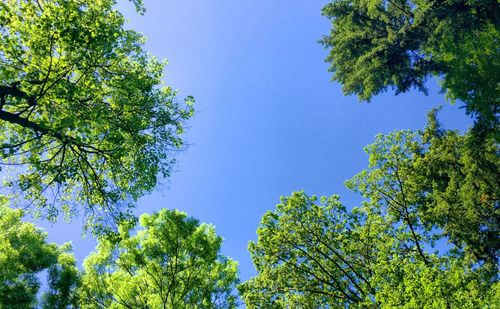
(268, 119)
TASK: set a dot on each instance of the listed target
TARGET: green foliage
(431, 186)
(306, 256)
(318, 255)
(173, 262)
(63, 282)
(24, 253)
(380, 44)
(420, 189)
(438, 179)
(85, 119)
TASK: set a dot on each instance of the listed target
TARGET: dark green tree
(86, 122)
(63, 282)
(380, 44)
(173, 262)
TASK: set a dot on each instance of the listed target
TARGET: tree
(306, 256)
(438, 179)
(380, 44)
(24, 253)
(426, 234)
(173, 262)
(63, 282)
(85, 119)
(318, 255)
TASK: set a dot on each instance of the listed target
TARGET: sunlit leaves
(87, 123)
(173, 262)
(438, 179)
(316, 254)
(425, 236)
(24, 253)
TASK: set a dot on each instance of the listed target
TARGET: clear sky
(268, 119)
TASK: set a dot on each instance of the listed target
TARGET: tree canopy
(87, 126)
(173, 262)
(86, 122)
(316, 254)
(426, 234)
(441, 179)
(380, 44)
(24, 253)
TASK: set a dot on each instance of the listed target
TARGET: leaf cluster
(172, 262)
(24, 254)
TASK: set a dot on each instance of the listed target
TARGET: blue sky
(268, 119)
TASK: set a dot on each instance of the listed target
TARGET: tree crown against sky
(380, 44)
(316, 254)
(425, 235)
(87, 124)
(24, 254)
(172, 262)
(438, 179)
(454, 174)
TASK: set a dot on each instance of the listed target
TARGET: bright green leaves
(378, 44)
(444, 282)
(319, 255)
(307, 256)
(64, 280)
(438, 179)
(87, 123)
(24, 253)
(173, 262)
(420, 188)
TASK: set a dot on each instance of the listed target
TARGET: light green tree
(377, 45)
(86, 121)
(309, 255)
(63, 282)
(316, 254)
(172, 262)
(24, 253)
(426, 235)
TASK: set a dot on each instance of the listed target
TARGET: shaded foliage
(380, 44)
